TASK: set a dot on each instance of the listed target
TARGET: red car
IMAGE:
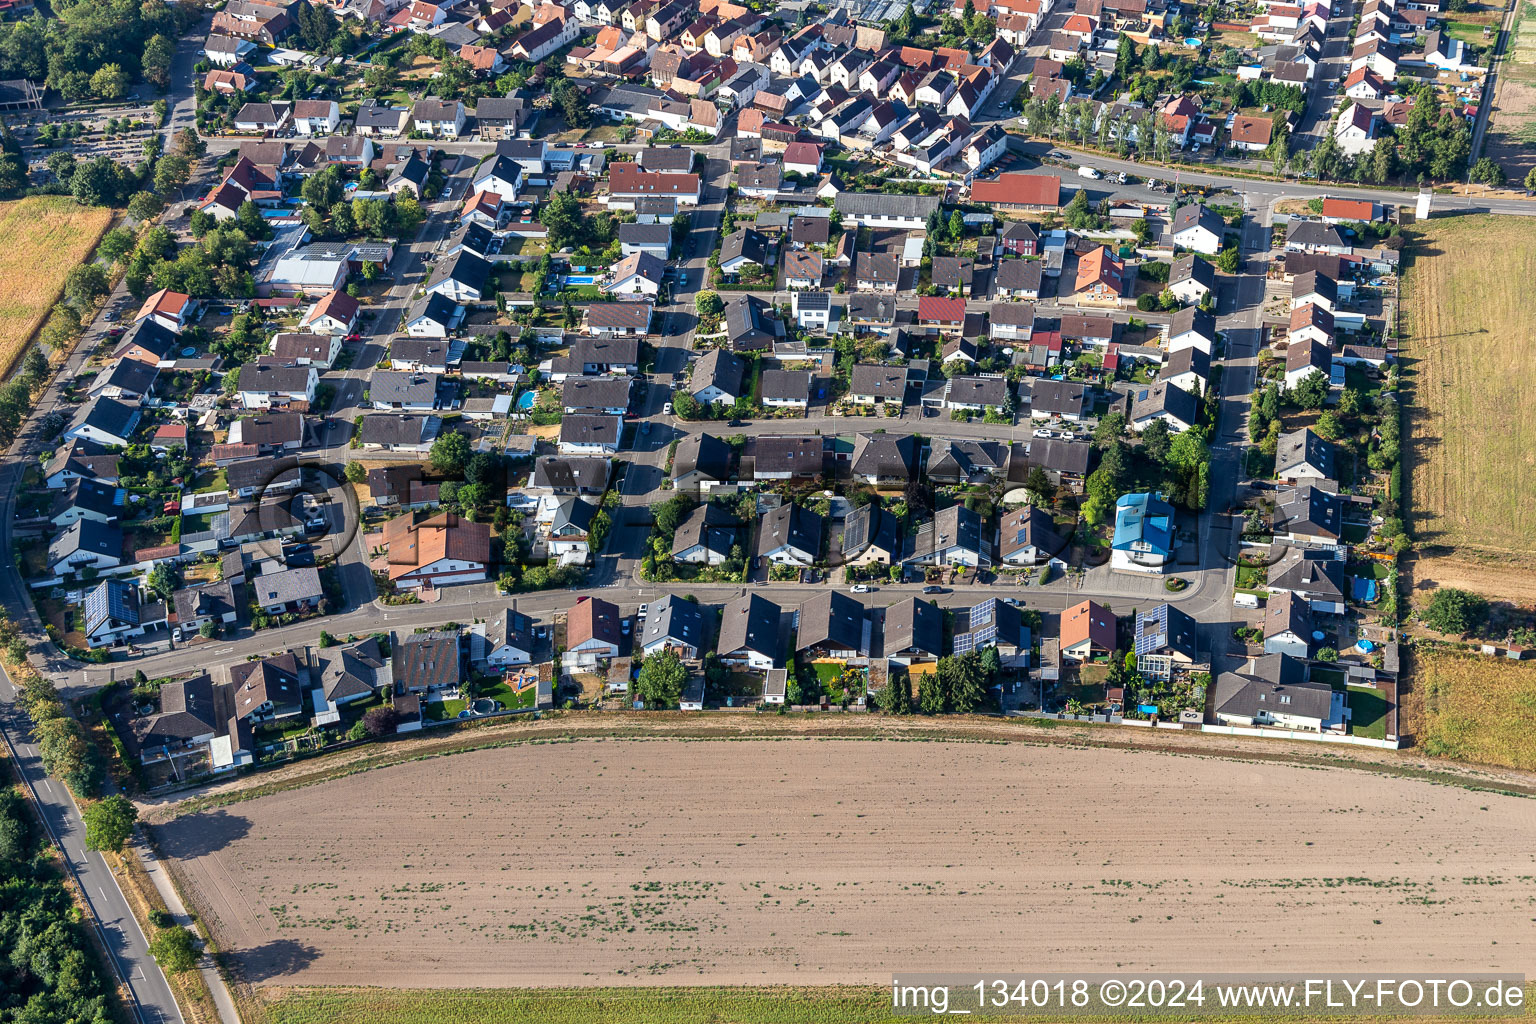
(354, 337)
(116, 332)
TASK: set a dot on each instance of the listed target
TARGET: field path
(817, 862)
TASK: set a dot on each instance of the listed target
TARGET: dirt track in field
(820, 861)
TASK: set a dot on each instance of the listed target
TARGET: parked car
(858, 588)
(932, 589)
(666, 408)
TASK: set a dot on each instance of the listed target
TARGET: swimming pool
(526, 400)
(581, 279)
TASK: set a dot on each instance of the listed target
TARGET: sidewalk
(211, 977)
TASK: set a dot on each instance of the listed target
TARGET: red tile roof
(1019, 189)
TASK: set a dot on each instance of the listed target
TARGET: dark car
(933, 589)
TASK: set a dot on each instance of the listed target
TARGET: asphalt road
(151, 998)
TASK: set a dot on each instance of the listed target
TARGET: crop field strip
(1470, 362)
(45, 237)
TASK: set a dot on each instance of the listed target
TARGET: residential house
(1165, 401)
(785, 389)
(673, 624)
(1198, 228)
(590, 435)
(749, 633)
(441, 549)
(1191, 327)
(85, 544)
(266, 385)
(1191, 279)
(1273, 691)
(1100, 277)
(593, 631)
(639, 274)
(1088, 630)
(706, 536)
(914, 631)
(1305, 358)
(871, 536)
(439, 118)
(790, 535)
(1301, 457)
(1056, 399)
(834, 626)
(717, 378)
(701, 462)
(1309, 516)
(1144, 534)
(1165, 642)
(1028, 536)
(955, 536)
(428, 662)
(885, 460)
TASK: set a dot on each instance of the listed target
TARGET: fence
(1220, 730)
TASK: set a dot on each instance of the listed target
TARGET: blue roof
(1146, 518)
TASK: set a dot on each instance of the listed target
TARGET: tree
(1487, 172)
(355, 473)
(155, 62)
(1110, 429)
(380, 722)
(322, 191)
(201, 222)
(1312, 391)
(966, 681)
(1455, 611)
(930, 694)
(109, 823)
(207, 630)
(1228, 260)
(1530, 180)
(708, 303)
(450, 453)
(161, 581)
(85, 284)
(661, 679)
(1155, 440)
(1039, 485)
(171, 172)
(145, 206)
(115, 244)
(896, 698)
(1327, 654)
(109, 82)
(35, 367)
(173, 949)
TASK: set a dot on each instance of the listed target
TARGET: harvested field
(46, 236)
(819, 862)
(1473, 708)
(1510, 139)
(1471, 366)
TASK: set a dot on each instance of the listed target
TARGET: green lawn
(509, 697)
(205, 482)
(1252, 577)
(1356, 533)
(1368, 712)
(1334, 677)
(827, 672)
(442, 710)
(198, 522)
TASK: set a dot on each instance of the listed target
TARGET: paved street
(150, 994)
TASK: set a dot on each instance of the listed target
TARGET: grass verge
(704, 1005)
